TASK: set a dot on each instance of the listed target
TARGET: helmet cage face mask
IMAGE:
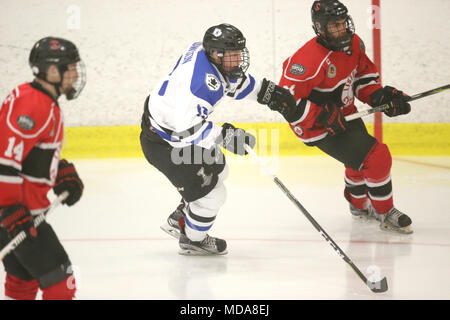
(221, 39)
(231, 59)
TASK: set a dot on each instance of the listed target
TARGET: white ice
(119, 252)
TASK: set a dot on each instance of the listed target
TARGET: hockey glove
(276, 98)
(68, 180)
(396, 99)
(17, 218)
(233, 139)
(332, 119)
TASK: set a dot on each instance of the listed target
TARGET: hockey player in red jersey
(325, 76)
(31, 135)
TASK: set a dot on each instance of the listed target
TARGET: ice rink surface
(119, 252)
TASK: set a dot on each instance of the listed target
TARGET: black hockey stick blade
(378, 286)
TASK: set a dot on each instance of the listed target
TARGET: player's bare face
(231, 59)
(337, 28)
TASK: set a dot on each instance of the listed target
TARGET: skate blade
(196, 252)
(388, 227)
(174, 232)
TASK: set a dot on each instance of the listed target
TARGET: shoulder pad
(305, 64)
(206, 82)
(29, 112)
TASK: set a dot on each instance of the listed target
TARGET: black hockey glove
(17, 218)
(396, 99)
(233, 139)
(276, 98)
(332, 119)
(68, 180)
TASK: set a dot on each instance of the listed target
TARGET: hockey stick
(377, 286)
(385, 106)
(37, 221)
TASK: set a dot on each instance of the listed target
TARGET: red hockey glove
(68, 180)
(396, 99)
(17, 218)
(332, 119)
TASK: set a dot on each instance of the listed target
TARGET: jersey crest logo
(212, 82)
(331, 71)
(297, 69)
(25, 122)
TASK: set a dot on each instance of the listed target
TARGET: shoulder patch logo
(331, 71)
(297, 69)
(212, 82)
(298, 131)
(26, 122)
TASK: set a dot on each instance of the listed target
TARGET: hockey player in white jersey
(179, 141)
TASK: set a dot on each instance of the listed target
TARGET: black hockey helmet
(225, 37)
(325, 11)
(59, 52)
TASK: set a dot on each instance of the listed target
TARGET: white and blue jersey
(180, 104)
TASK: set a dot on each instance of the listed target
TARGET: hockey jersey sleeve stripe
(312, 77)
(203, 134)
(21, 134)
(11, 163)
(8, 170)
(11, 179)
(247, 90)
(192, 135)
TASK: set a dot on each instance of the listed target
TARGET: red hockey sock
(376, 170)
(63, 290)
(18, 289)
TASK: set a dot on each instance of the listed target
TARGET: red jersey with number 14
(321, 76)
(31, 134)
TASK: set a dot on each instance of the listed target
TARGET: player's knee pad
(63, 290)
(209, 205)
(378, 163)
(19, 289)
(223, 175)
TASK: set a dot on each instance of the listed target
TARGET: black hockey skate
(208, 246)
(394, 220)
(172, 226)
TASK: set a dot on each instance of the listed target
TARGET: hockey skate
(208, 246)
(361, 213)
(172, 226)
(394, 220)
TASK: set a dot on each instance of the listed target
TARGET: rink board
(273, 138)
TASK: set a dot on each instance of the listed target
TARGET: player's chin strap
(383, 107)
(375, 286)
(37, 221)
